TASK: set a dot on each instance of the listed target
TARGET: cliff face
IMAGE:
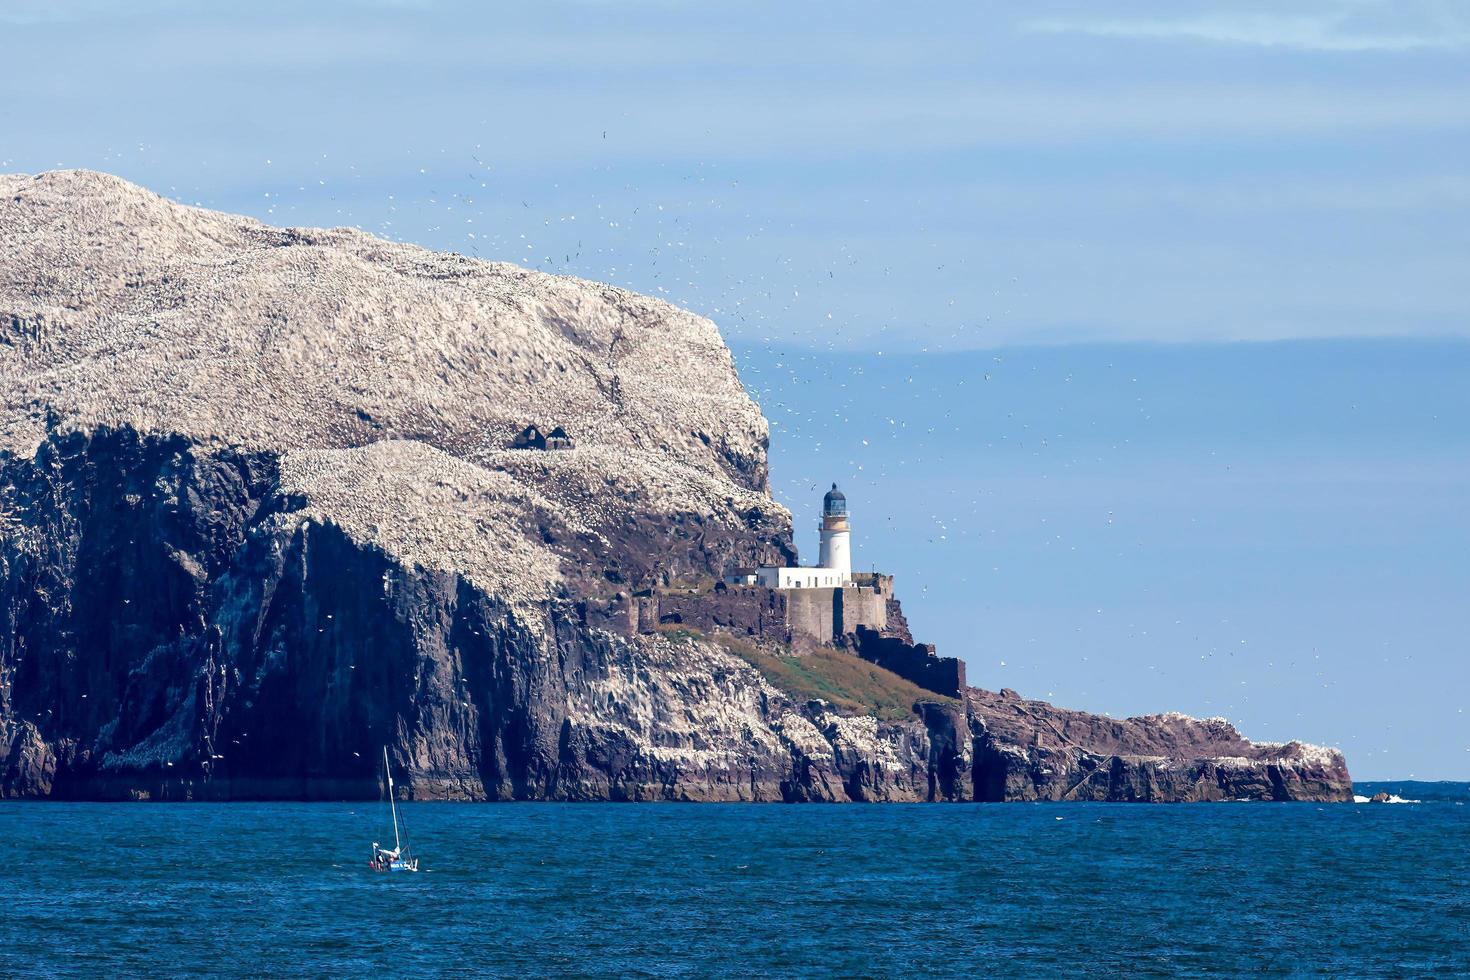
(180, 629)
(257, 518)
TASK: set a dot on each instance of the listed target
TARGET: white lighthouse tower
(833, 571)
(836, 546)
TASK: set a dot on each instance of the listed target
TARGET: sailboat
(400, 858)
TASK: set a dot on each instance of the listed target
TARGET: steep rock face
(258, 517)
(181, 625)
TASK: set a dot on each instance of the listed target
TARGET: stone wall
(877, 581)
(754, 612)
(616, 615)
(913, 662)
(854, 607)
(811, 614)
(787, 616)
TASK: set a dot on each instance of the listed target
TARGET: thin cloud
(1328, 31)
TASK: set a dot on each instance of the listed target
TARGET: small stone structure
(531, 437)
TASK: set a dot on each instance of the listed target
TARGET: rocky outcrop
(257, 519)
(1031, 750)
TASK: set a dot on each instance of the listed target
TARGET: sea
(661, 890)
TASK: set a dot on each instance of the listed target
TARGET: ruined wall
(754, 612)
(620, 614)
(877, 581)
(913, 662)
(898, 624)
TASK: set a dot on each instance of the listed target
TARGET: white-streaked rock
(119, 307)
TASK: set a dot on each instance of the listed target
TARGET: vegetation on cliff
(850, 683)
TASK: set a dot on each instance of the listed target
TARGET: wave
(1430, 791)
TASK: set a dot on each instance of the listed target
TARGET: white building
(835, 569)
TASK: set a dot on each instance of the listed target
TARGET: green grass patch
(849, 682)
(696, 584)
(675, 632)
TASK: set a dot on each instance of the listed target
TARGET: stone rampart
(810, 612)
(854, 607)
(746, 611)
(913, 662)
(799, 617)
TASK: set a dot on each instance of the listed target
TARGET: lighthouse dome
(834, 504)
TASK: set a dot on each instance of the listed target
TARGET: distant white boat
(400, 858)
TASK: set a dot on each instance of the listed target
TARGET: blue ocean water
(676, 890)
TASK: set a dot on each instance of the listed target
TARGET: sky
(1139, 337)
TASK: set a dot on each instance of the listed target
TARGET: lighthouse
(832, 571)
(836, 548)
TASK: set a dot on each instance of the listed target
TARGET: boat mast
(392, 807)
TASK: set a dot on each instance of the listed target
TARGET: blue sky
(1179, 287)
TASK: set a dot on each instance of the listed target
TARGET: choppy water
(532, 889)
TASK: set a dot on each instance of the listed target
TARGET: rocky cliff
(1031, 750)
(258, 517)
